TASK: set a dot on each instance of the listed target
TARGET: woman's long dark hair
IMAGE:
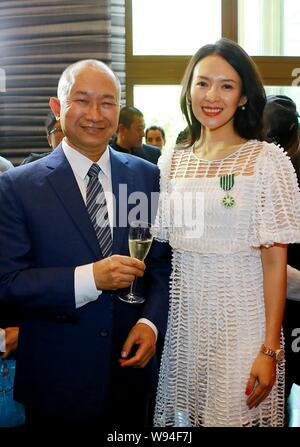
(247, 123)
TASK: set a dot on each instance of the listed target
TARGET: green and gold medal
(226, 183)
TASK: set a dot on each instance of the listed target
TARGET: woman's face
(215, 92)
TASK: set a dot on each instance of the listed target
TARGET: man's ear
(54, 104)
(121, 128)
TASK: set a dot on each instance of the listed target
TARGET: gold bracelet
(277, 355)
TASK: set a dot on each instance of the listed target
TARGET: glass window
(160, 106)
(169, 27)
(269, 27)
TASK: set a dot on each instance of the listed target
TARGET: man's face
(133, 137)
(155, 137)
(89, 115)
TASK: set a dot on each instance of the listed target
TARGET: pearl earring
(243, 108)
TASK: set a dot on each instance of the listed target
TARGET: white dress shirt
(84, 282)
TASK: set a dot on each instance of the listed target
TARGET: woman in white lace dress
(229, 205)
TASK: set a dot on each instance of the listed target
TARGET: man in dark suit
(84, 356)
(8, 329)
(54, 137)
(281, 126)
(130, 134)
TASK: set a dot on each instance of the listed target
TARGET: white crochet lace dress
(216, 320)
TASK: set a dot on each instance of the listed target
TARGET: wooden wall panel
(38, 39)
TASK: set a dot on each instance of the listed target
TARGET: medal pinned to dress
(226, 183)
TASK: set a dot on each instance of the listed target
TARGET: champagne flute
(139, 241)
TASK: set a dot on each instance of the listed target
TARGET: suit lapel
(65, 186)
(122, 186)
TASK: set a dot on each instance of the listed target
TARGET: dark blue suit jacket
(146, 151)
(68, 357)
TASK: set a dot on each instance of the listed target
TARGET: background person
(281, 126)
(53, 130)
(155, 135)
(130, 134)
(280, 120)
(54, 136)
(9, 332)
(9, 335)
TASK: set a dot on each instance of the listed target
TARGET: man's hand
(117, 272)
(11, 341)
(143, 336)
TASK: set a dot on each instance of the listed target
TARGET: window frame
(168, 70)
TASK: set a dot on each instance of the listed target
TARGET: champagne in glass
(139, 241)
(138, 248)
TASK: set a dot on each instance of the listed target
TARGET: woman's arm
(263, 371)
(274, 260)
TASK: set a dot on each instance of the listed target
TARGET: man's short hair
(160, 129)
(127, 115)
(281, 120)
(67, 77)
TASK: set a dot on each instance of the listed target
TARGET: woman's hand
(261, 380)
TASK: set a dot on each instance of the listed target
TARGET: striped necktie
(97, 209)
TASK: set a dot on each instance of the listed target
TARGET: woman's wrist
(272, 342)
(275, 354)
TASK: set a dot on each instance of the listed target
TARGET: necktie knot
(97, 209)
(94, 170)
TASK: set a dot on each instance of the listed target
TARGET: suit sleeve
(157, 277)
(31, 289)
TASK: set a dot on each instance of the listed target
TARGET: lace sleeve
(161, 228)
(277, 210)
